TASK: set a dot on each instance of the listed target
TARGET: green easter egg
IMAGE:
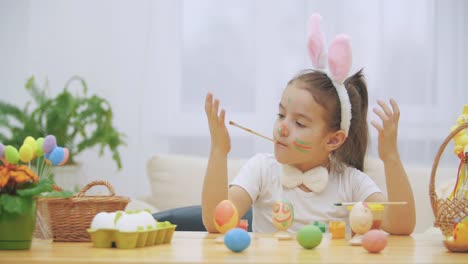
(11, 154)
(39, 150)
(309, 236)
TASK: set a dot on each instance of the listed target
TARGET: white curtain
(155, 61)
(246, 51)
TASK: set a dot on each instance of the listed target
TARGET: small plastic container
(244, 224)
(337, 229)
(377, 213)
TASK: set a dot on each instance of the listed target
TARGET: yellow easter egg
(26, 153)
(460, 233)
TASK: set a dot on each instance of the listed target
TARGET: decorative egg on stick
(226, 218)
(360, 219)
(283, 217)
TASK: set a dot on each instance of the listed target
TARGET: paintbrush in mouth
(255, 133)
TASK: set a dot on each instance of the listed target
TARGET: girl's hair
(353, 150)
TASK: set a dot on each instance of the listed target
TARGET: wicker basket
(70, 217)
(446, 211)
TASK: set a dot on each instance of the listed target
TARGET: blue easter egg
(56, 156)
(237, 239)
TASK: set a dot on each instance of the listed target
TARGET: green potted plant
(78, 121)
(20, 185)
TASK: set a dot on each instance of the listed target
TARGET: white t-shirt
(260, 178)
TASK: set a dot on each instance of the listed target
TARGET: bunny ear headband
(339, 63)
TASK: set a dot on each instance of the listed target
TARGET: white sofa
(176, 181)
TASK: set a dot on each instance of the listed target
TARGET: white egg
(130, 222)
(103, 220)
(148, 220)
(360, 218)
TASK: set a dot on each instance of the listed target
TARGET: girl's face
(301, 130)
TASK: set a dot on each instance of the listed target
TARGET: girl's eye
(280, 116)
(300, 124)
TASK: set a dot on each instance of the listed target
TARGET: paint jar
(377, 213)
(244, 224)
(320, 225)
(337, 229)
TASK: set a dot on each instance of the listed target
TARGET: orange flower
(4, 176)
(22, 174)
(19, 174)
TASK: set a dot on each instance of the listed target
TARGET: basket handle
(94, 183)
(432, 193)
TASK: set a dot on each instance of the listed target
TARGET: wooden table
(200, 247)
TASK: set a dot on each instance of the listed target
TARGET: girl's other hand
(220, 141)
(388, 129)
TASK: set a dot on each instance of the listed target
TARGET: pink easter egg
(66, 155)
(374, 241)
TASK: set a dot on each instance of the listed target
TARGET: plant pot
(16, 231)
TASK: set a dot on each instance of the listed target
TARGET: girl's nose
(283, 130)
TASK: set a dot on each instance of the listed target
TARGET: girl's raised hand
(220, 141)
(388, 129)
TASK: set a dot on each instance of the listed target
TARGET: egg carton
(108, 238)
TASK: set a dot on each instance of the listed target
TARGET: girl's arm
(215, 184)
(397, 219)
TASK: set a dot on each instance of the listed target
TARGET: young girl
(321, 139)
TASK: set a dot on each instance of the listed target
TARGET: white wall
(155, 60)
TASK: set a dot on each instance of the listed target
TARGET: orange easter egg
(225, 216)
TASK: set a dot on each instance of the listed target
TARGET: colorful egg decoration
(360, 218)
(225, 216)
(283, 214)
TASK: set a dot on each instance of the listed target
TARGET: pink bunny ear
(315, 42)
(339, 58)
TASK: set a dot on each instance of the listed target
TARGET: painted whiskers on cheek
(302, 146)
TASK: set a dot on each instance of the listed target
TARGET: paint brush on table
(386, 203)
(253, 132)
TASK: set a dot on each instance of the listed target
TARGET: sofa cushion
(176, 180)
(189, 218)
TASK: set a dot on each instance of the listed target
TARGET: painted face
(283, 214)
(301, 130)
